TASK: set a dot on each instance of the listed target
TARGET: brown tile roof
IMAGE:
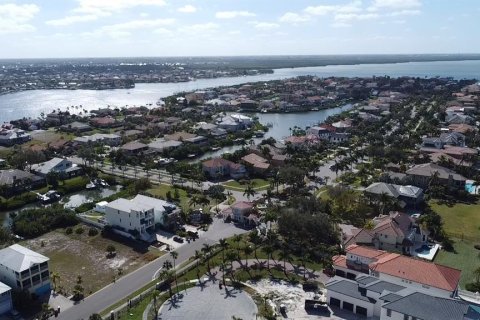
(256, 161)
(218, 162)
(419, 271)
(243, 205)
(177, 136)
(340, 261)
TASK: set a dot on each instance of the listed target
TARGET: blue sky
(106, 28)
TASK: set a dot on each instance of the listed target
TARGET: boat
(102, 183)
(259, 134)
(192, 155)
(315, 109)
(50, 196)
(215, 148)
(91, 185)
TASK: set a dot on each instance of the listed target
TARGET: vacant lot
(74, 255)
(460, 220)
(48, 136)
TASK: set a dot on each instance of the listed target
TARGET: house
(16, 181)
(460, 153)
(160, 145)
(76, 127)
(6, 304)
(370, 282)
(165, 213)
(109, 139)
(179, 136)
(448, 138)
(131, 218)
(407, 196)
(219, 167)
(10, 137)
(198, 140)
(104, 122)
(259, 164)
(422, 174)
(24, 270)
(242, 212)
(457, 118)
(134, 148)
(63, 167)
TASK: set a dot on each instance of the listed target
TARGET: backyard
(462, 224)
(83, 255)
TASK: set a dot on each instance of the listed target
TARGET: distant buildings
(109, 139)
(24, 270)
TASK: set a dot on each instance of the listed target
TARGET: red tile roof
(366, 252)
(340, 261)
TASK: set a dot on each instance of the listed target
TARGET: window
(389, 313)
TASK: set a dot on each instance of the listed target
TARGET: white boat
(91, 185)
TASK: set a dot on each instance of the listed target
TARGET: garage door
(361, 310)
(347, 306)
(340, 273)
(335, 302)
(351, 276)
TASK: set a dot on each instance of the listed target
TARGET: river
(33, 103)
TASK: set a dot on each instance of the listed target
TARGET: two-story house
(219, 168)
(132, 217)
(63, 167)
(407, 196)
(370, 282)
(24, 270)
(165, 213)
(421, 175)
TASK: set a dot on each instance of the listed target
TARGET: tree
(237, 239)
(46, 312)
(95, 316)
(285, 256)
(198, 257)
(111, 251)
(254, 238)
(167, 276)
(224, 245)
(268, 250)
(174, 256)
(247, 250)
(207, 249)
(55, 278)
(249, 191)
(78, 289)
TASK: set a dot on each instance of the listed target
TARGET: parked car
(178, 239)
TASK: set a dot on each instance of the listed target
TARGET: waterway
(33, 103)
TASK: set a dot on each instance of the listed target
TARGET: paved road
(125, 286)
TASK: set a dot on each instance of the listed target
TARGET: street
(123, 287)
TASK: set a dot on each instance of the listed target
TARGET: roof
(348, 288)
(394, 190)
(162, 144)
(365, 280)
(217, 162)
(177, 136)
(429, 169)
(134, 145)
(426, 307)
(4, 288)
(47, 166)
(157, 204)
(256, 161)
(19, 258)
(381, 286)
(390, 297)
(366, 252)
(125, 205)
(399, 222)
(6, 176)
(242, 205)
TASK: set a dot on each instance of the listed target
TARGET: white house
(110, 139)
(63, 167)
(5, 298)
(24, 269)
(367, 280)
(164, 212)
(130, 216)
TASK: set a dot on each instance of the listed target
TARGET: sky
(123, 28)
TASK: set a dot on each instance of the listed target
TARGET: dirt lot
(48, 136)
(73, 255)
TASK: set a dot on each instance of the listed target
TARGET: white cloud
(15, 18)
(355, 6)
(395, 4)
(233, 14)
(294, 18)
(163, 32)
(405, 13)
(121, 30)
(106, 7)
(200, 28)
(266, 25)
(187, 9)
(346, 17)
(341, 25)
(68, 20)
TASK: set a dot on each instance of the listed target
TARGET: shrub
(68, 230)
(85, 207)
(473, 286)
(92, 232)
(79, 230)
(477, 246)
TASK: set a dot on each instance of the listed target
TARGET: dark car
(178, 239)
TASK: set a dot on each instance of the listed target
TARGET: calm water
(32, 103)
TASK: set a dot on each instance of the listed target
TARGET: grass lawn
(461, 221)
(258, 184)
(80, 254)
(162, 190)
(465, 257)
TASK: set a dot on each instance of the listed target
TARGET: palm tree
(174, 256)
(254, 238)
(155, 296)
(55, 277)
(231, 256)
(207, 249)
(268, 250)
(249, 191)
(285, 256)
(224, 245)
(194, 201)
(198, 256)
(237, 239)
(247, 250)
(167, 276)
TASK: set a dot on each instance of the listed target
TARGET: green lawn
(461, 221)
(258, 184)
(162, 190)
(465, 258)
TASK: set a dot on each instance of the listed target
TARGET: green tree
(174, 256)
(207, 250)
(249, 191)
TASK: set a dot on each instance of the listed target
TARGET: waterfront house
(421, 175)
(63, 167)
(131, 218)
(109, 139)
(25, 270)
(165, 213)
(258, 164)
(10, 137)
(448, 138)
(76, 127)
(219, 168)
(160, 145)
(14, 181)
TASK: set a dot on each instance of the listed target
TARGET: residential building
(165, 213)
(109, 139)
(6, 304)
(219, 167)
(259, 164)
(447, 138)
(407, 196)
(134, 148)
(63, 167)
(24, 270)
(179, 136)
(16, 181)
(10, 137)
(105, 122)
(160, 145)
(76, 127)
(421, 175)
(131, 217)
(243, 212)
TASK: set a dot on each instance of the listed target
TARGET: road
(128, 284)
